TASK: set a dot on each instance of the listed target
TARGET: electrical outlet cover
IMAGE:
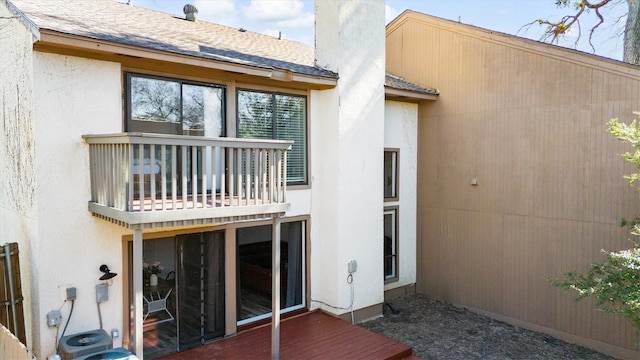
(102, 293)
(54, 318)
(71, 293)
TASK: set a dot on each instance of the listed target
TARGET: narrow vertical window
(390, 244)
(390, 175)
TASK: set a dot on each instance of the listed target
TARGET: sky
(294, 19)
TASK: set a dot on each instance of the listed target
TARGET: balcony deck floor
(314, 335)
(192, 203)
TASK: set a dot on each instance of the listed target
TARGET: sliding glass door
(254, 270)
(183, 291)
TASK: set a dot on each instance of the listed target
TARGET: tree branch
(555, 29)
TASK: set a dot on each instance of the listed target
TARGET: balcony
(141, 180)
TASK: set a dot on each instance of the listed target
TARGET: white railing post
(152, 176)
(163, 175)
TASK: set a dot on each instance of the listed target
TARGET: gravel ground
(437, 330)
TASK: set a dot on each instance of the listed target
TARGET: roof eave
(52, 39)
(35, 30)
(408, 94)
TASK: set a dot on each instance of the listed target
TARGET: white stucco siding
(401, 132)
(74, 96)
(300, 200)
(324, 215)
(17, 155)
(347, 223)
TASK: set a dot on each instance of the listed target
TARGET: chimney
(190, 12)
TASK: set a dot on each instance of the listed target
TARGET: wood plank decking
(314, 335)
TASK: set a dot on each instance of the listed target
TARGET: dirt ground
(437, 330)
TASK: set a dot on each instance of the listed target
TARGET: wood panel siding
(528, 121)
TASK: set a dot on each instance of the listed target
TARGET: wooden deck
(314, 335)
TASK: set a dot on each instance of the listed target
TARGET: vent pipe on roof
(190, 12)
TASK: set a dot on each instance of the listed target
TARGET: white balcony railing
(140, 178)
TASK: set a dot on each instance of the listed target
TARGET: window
(171, 106)
(391, 215)
(391, 175)
(390, 244)
(263, 115)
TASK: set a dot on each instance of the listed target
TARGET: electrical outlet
(352, 266)
(54, 318)
(102, 292)
(71, 293)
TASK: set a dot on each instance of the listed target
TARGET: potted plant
(154, 269)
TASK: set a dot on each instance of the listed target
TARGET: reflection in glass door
(201, 288)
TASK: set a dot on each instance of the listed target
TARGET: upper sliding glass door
(174, 107)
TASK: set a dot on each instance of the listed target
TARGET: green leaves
(615, 283)
(631, 134)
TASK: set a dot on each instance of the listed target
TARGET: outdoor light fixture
(108, 275)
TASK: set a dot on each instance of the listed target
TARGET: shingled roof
(119, 23)
(399, 83)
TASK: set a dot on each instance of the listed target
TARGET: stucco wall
(17, 156)
(401, 132)
(348, 142)
(74, 96)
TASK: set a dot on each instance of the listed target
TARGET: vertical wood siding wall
(528, 121)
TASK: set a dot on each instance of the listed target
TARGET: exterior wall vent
(190, 12)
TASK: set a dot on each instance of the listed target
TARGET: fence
(11, 308)
(12, 348)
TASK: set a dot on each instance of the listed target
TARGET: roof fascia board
(408, 94)
(35, 30)
(528, 45)
(398, 21)
(57, 40)
(320, 81)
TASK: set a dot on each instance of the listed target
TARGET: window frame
(395, 212)
(275, 93)
(396, 175)
(128, 75)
